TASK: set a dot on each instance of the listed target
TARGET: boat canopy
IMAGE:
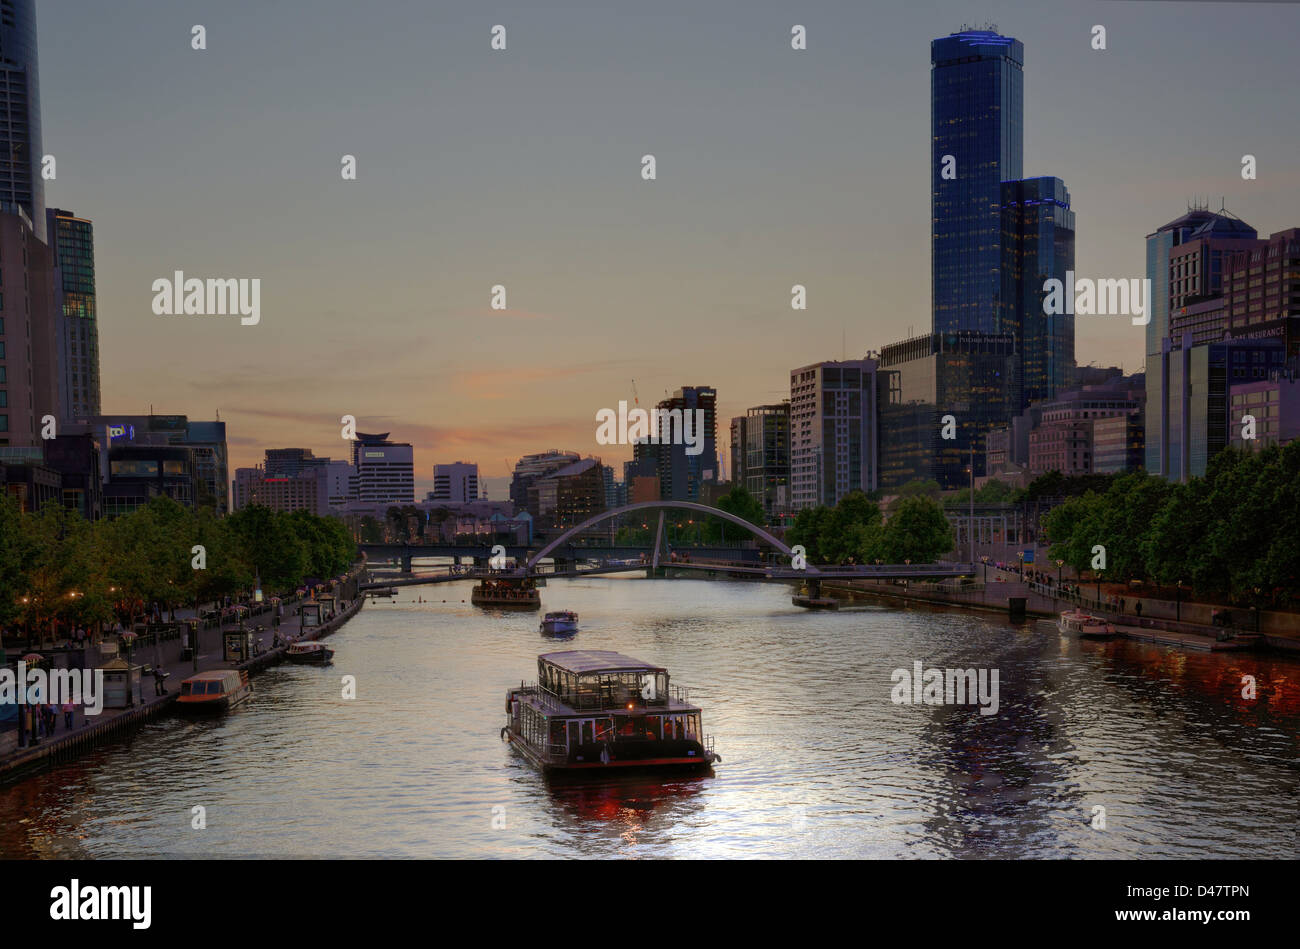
(584, 661)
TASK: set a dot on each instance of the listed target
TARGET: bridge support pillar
(562, 564)
(814, 587)
(406, 563)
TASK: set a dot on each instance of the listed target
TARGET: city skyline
(610, 278)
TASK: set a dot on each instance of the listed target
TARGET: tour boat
(215, 691)
(506, 594)
(309, 652)
(560, 622)
(596, 710)
(1085, 625)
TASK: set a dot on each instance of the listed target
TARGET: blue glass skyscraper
(976, 116)
(21, 183)
(1037, 246)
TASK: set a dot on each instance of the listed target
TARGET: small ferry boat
(597, 710)
(309, 652)
(560, 622)
(506, 594)
(1085, 624)
(216, 691)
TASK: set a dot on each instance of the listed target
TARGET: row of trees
(56, 567)
(1232, 533)
(856, 530)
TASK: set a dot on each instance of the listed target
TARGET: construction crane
(636, 399)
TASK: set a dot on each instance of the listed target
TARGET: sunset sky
(522, 168)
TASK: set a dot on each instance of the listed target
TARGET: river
(818, 761)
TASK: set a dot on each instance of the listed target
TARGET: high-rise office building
(1261, 290)
(964, 375)
(21, 183)
(976, 116)
(72, 244)
(1037, 246)
(1193, 401)
(29, 364)
(736, 470)
(385, 470)
(767, 457)
(1186, 261)
(833, 414)
(680, 473)
(456, 482)
(531, 467)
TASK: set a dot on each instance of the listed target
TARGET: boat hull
(506, 603)
(312, 659)
(815, 602)
(214, 705)
(559, 627)
(622, 760)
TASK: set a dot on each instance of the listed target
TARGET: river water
(818, 761)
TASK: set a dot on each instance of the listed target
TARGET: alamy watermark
(84, 687)
(657, 426)
(946, 687)
(1087, 297)
(212, 297)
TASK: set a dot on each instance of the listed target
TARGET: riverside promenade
(1163, 622)
(88, 731)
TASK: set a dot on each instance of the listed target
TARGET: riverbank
(1044, 602)
(88, 732)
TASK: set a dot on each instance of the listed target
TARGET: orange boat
(216, 691)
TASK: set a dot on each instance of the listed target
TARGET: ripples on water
(817, 761)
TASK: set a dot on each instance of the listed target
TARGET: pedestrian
(1137, 608)
(69, 710)
(1121, 604)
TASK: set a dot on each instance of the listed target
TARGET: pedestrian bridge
(576, 561)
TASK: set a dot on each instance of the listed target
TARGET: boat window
(186, 688)
(653, 725)
(587, 736)
(557, 733)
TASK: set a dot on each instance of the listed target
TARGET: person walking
(69, 710)
(1137, 608)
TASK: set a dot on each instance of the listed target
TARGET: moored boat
(597, 710)
(1084, 624)
(309, 652)
(560, 622)
(215, 691)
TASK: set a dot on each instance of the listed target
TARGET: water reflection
(817, 759)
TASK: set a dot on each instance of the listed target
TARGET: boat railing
(545, 697)
(682, 694)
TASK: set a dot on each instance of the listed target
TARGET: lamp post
(1258, 590)
(985, 560)
(1021, 555)
(1059, 565)
(1178, 602)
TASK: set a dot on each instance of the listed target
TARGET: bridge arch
(661, 506)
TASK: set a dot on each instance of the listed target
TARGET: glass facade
(966, 375)
(976, 116)
(20, 113)
(1037, 245)
(73, 241)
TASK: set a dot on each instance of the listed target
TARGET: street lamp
(1059, 565)
(985, 560)
(1178, 602)
(1021, 555)
(1258, 590)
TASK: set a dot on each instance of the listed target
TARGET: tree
(917, 530)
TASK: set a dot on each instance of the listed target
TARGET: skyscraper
(976, 117)
(1195, 282)
(385, 470)
(72, 243)
(1037, 246)
(21, 183)
(682, 473)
